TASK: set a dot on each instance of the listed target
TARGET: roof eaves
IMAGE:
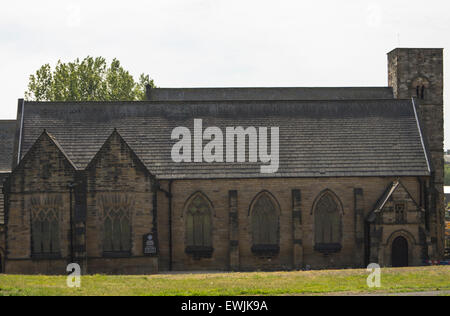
(425, 151)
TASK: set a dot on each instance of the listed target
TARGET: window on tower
(420, 84)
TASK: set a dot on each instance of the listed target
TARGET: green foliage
(447, 174)
(88, 80)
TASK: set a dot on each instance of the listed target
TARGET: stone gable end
(40, 181)
(117, 180)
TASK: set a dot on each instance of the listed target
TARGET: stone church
(360, 180)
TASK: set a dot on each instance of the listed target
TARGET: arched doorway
(400, 252)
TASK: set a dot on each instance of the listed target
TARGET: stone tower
(418, 73)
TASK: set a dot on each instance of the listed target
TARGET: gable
(45, 167)
(116, 164)
(395, 194)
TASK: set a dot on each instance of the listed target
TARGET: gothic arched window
(198, 226)
(328, 223)
(265, 225)
(116, 232)
(45, 232)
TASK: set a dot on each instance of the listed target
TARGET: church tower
(418, 73)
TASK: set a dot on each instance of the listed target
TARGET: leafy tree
(88, 80)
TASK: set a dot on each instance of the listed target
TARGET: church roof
(317, 138)
(7, 132)
(266, 94)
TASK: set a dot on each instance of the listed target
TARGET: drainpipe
(170, 227)
(155, 216)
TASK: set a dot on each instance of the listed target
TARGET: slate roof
(317, 138)
(7, 132)
(261, 94)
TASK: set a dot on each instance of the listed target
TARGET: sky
(221, 43)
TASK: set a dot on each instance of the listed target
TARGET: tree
(88, 80)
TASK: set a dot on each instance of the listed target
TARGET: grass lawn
(257, 283)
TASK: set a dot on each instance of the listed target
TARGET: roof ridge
(395, 100)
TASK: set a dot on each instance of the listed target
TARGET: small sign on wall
(149, 245)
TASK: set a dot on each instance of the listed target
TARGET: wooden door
(400, 252)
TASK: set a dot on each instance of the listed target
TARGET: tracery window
(328, 224)
(265, 226)
(45, 232)
(198, 226)
(117, 232)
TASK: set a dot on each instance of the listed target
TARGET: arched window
(198, 226)
(420, 84)
(45, 232)
(328, 223)
(116, 232)
(265, 225)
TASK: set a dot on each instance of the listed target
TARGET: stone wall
(3, 176)
(2, 248)
(296, 221)
(46, 177)
(116, 177)
(41, 179)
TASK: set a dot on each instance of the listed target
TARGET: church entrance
(400, 252)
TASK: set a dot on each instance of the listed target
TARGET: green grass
(258, 283)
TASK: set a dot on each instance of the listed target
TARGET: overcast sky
(226, 43)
